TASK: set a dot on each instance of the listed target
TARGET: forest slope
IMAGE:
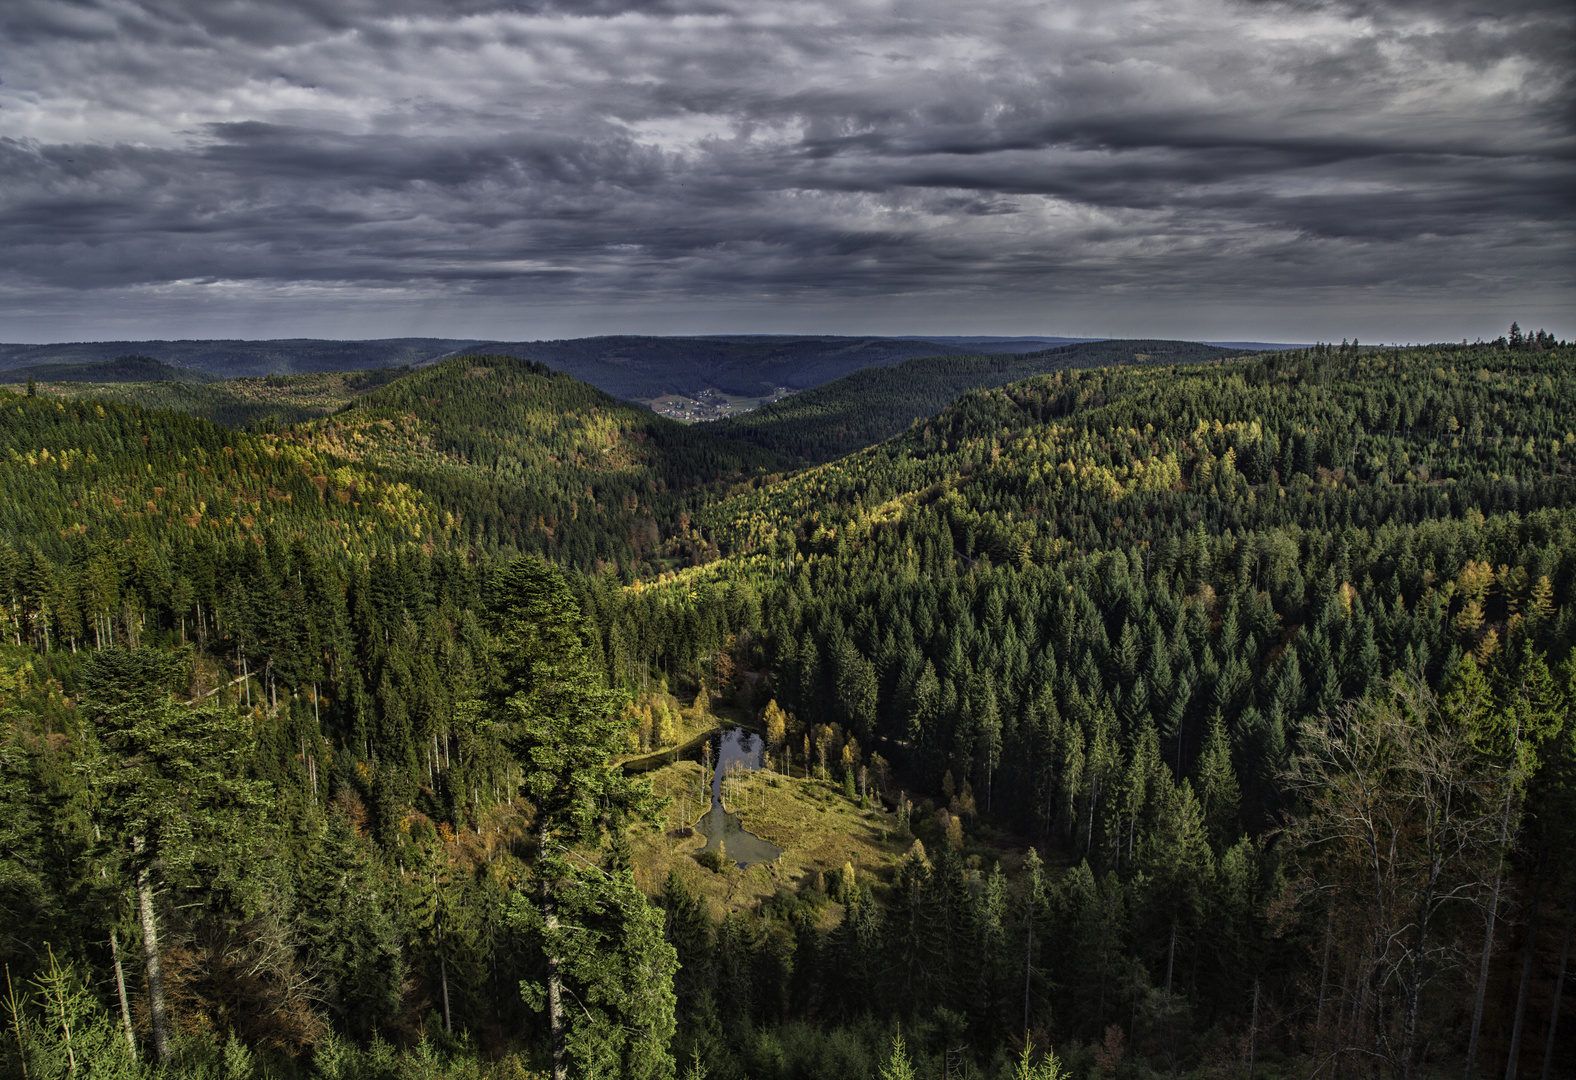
(237, 358)
(1316, 504)
(479, 454)
(513, 418)
(626, 366)
(748, 366)
(1129, 614)
(1163, 623)
(868, 406)
(127, 368)
(265, 403)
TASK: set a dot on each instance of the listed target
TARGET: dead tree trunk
(443, 976)
(157, 1017)
(1253, 1028)
(1324, 980)
(120, 990)
(555, 1004)
(1512, 1063)
(1559, 989)
(1488, 945)
(1028, 966)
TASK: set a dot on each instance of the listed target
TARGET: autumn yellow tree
(776, 725)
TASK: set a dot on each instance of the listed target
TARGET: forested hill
(747, 365)
(1168, 716)
(515, 419)
(1147, 617)
(1338, 517)
(480, 455)
(235, 358)
(627, 366)
(133, 485)
(532, 459)
(858, 410)
(127, 368)
(263, 403)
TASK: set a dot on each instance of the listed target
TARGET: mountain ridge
(872, 404)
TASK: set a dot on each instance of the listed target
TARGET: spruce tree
(600, 940)
(171, 798)
(1219, 792)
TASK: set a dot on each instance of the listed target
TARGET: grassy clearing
(818, 829)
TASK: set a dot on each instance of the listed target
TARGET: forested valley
(1206, 719)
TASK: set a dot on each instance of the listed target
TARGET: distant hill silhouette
(625, 366)
(122, 369)
(234, 359)
(868, 406)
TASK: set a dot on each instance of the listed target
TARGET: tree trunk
(1028, 966)
(1171, 957)
(1559, 989)
(1513, 1061)
(1100, 1013)
(1360, 1011)
(1094, 801)
(1132, 1022)
(1253, 1028)
(1192, 972)
(1324, 980)
(443, 977)
(1414, 1001)
(1345, 1006)
(1483, 965)
(120, 990)
(1376, 1048)
(555, 1005)
(157, 1018)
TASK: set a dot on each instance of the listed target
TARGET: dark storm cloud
(512, 161)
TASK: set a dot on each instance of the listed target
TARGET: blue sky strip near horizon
(1207, 169)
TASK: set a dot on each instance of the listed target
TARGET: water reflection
(735, 750)
(739, 749)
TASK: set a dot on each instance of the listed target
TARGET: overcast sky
(1211, 169)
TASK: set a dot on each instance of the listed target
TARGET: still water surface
(734, 748)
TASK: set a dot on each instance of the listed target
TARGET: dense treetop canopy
(311, 730)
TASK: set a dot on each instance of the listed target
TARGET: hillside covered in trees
(866, 407)
(487, 455)
(748, 365)
(1198, 718)
(231, 359)
(629, 366)
(257, 403)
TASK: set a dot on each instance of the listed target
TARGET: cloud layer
(1187, 167)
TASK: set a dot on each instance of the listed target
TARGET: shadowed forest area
(1201, 715)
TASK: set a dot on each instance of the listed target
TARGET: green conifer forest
(1202, 714)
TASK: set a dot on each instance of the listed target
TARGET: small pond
(733, 749)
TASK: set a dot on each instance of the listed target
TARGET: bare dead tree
(1400, 829)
